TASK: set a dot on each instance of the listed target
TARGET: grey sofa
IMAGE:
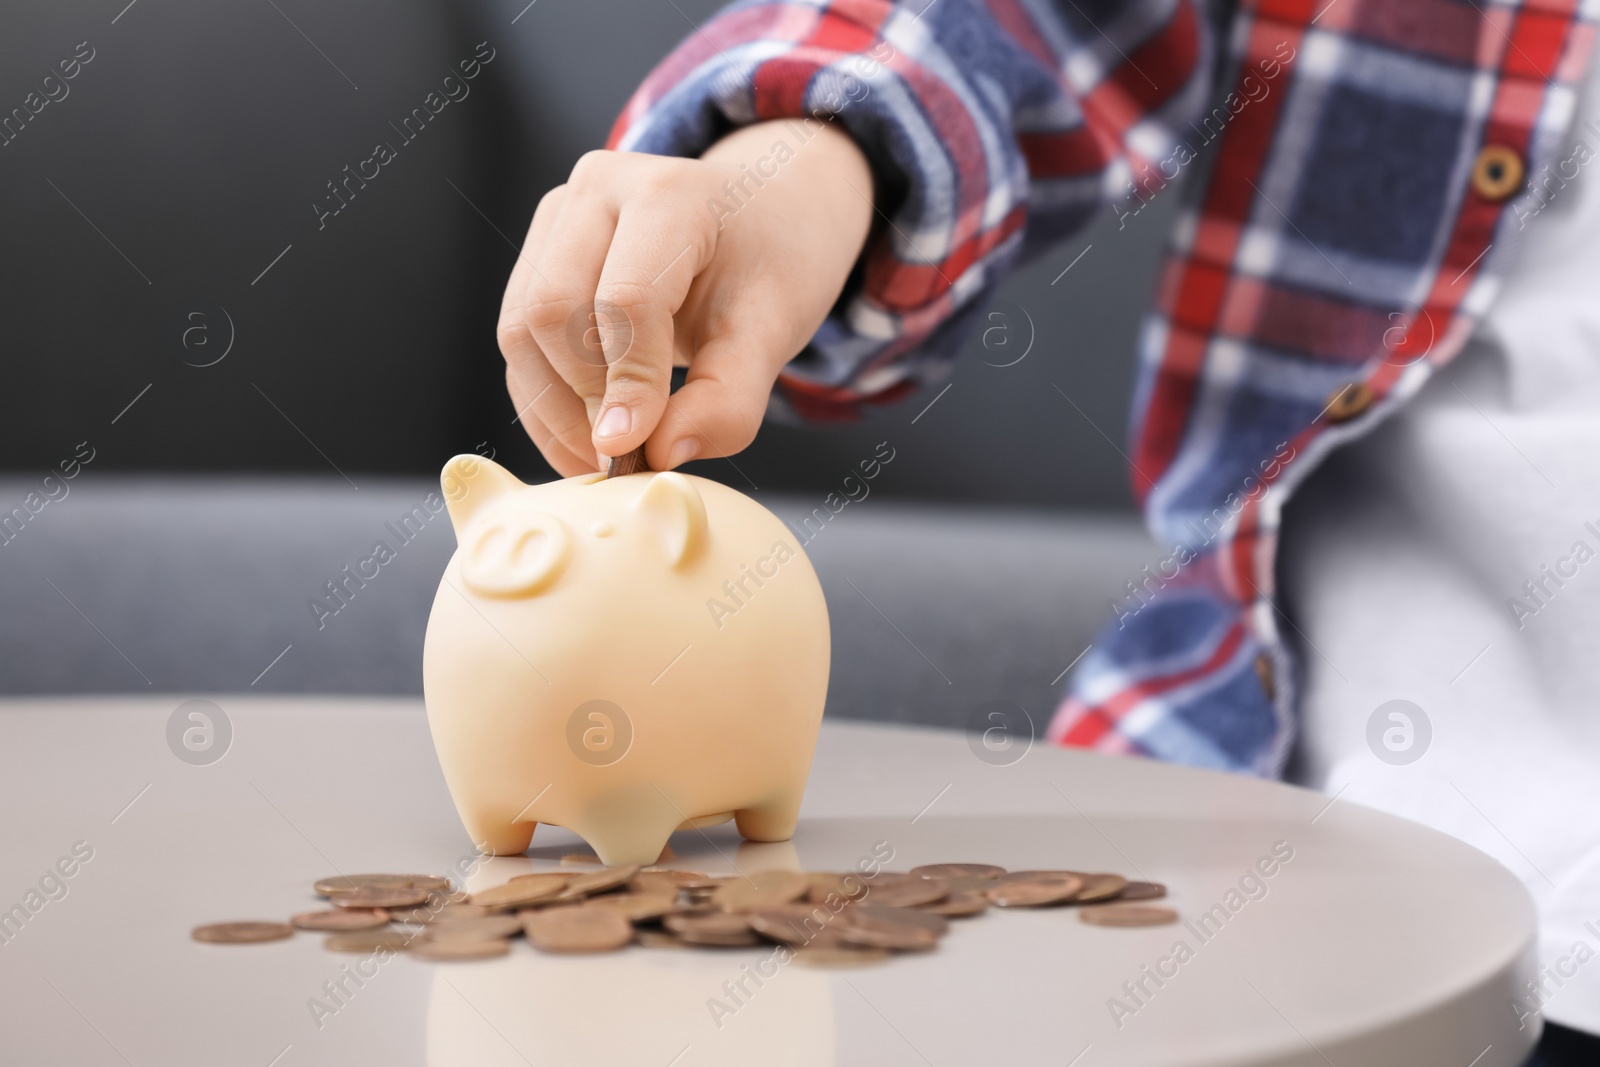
(159, 584)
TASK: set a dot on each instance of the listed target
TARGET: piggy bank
(622, 657)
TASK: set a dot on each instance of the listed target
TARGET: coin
(576, 928)
(443, 913)
(1127, 915)
(847, 956)
(348, 883)
(650, 879)
(828, 918)
(488, 928)
(970, 883)
(1143, 891)
(521, 891)
(241, 933)
(627, 463)
(657, 939)
(430, 881)
(340, 919)
(903, 890)
(791, 924)
(598, 882)
(368, 941)
(1035, 891)
(764, 889)
(379, 898)
(636, 907)
(958, 870)
(1100, 887)
(1024, 876)
(879, 914)
(712, 928)
(889, 931)
(414, 916)
(443, 951)
(957, 905)
(824, 884)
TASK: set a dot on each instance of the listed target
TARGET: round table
(1313, 931)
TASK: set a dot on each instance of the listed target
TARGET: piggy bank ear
(672, 511)
(514, 555)
(470, 483)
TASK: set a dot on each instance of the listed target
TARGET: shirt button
(1497, 173)
(1349, 402)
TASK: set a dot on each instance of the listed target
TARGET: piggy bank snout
(512, 555)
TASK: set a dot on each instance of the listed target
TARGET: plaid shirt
(1367, 164)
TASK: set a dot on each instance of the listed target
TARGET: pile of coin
(826, 919)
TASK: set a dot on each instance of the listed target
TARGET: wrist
(818, 170)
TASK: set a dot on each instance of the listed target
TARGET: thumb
(721, 404)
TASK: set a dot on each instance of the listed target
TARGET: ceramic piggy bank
(623, 657)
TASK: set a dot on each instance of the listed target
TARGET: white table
(1379, 942)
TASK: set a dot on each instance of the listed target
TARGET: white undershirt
(1399, 561)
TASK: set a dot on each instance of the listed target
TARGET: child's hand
(654, 260)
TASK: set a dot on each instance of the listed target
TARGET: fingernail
(615, 421)
(683, 452)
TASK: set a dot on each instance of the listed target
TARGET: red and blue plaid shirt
(1366, 164)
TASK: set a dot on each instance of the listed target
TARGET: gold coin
(368, 941)
(905, 891)
(791, 924)
(957, 905)
(598, 882)
(712, 928)
(1143, 891)
(241, 933)
(445, 951)
(1127, 915)
(764, 889)
(958, 870)
(636, 907)
(841, 956)
(379, 898)
(340, 919)
(488, 928)
(1100, 887)
(521, 891)
(1035, 891)
(577, 928)
(349, 883)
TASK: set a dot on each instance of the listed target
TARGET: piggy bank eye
(514, 555)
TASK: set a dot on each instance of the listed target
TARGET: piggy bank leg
(774, 820)
(496, 836)
(640, 837)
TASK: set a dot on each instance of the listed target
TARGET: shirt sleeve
(992, 129)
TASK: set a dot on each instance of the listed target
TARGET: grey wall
(187, 156)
